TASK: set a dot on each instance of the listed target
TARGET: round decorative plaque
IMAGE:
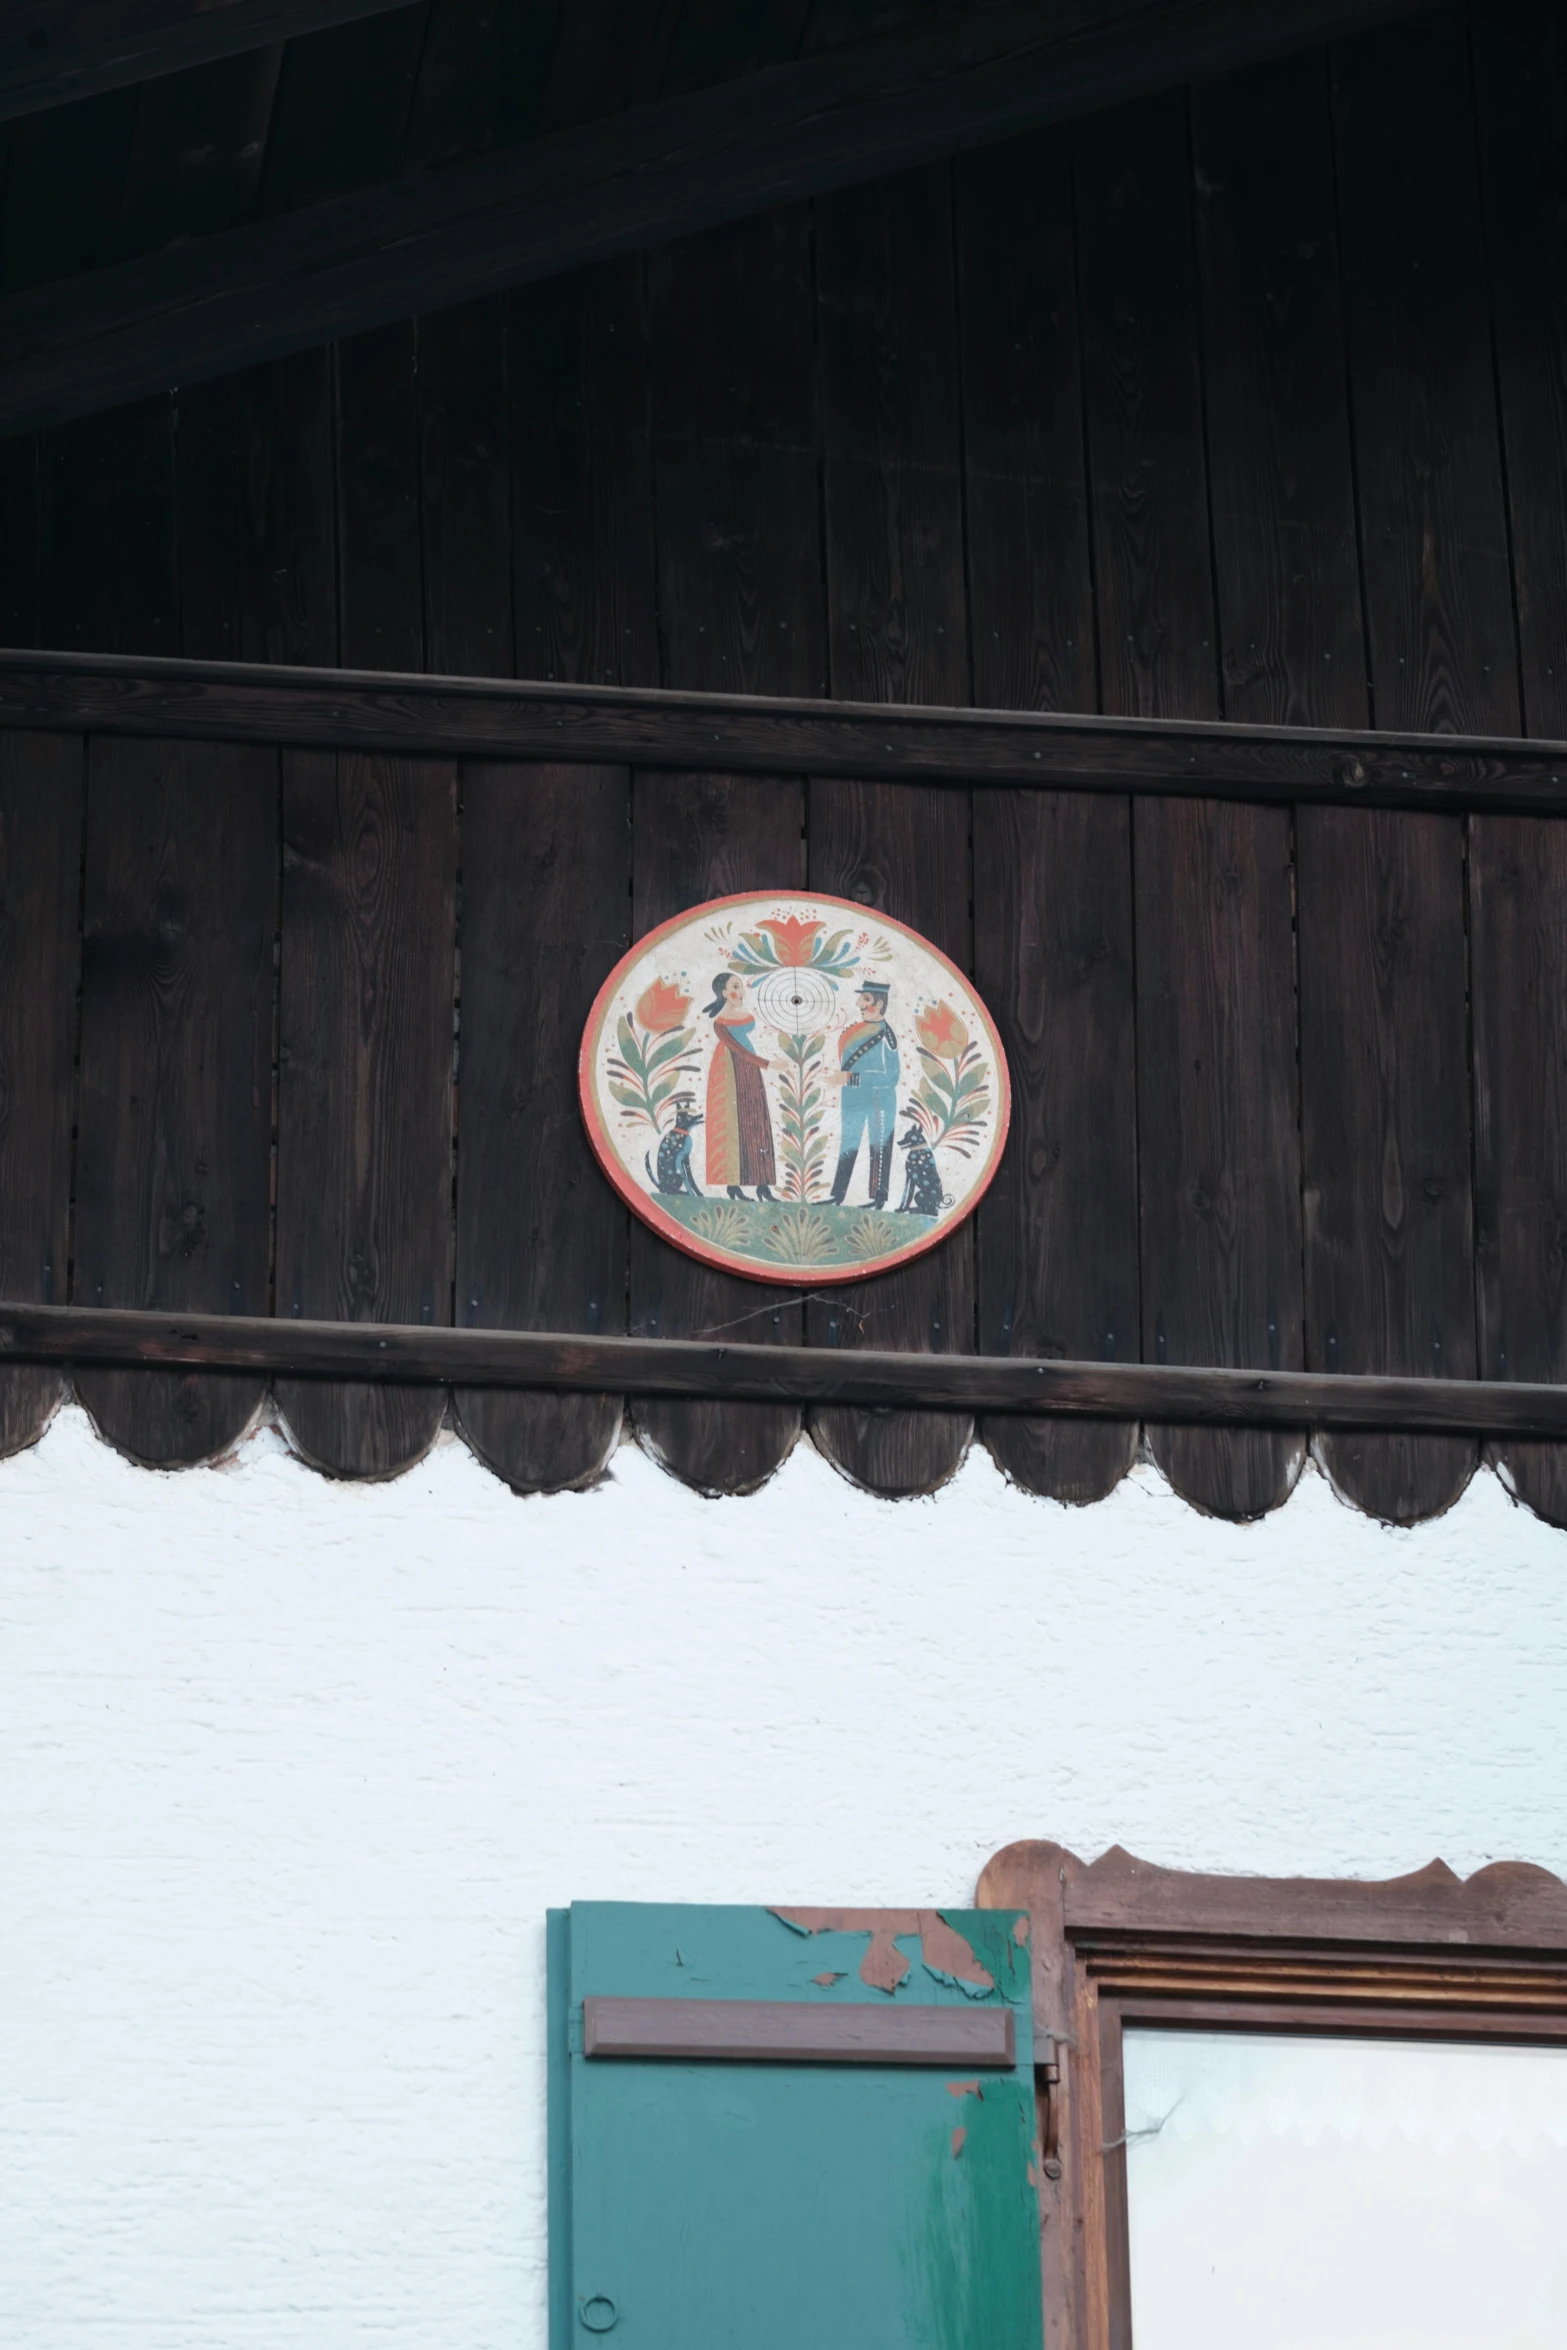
(793, 1087)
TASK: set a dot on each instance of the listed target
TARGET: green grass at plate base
(787, 1232)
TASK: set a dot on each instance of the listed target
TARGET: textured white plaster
(289, 1772)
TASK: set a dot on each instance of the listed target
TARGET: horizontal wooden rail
(797, 1374)
(775, 2031)
(448, 717)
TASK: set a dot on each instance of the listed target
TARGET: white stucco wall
(289, 1772)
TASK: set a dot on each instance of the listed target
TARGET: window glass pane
(1293, 2193)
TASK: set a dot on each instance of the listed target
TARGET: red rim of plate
(643, 1204)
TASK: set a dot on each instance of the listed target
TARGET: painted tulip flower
(793, 936)
(941, 1031)
(662, 1007)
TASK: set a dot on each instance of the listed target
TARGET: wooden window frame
(1116, 1941)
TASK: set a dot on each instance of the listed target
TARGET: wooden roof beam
(54, 51)
(640, 178)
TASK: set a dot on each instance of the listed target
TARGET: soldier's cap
(876, 987)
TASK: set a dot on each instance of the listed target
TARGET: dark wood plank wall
(1251, 401)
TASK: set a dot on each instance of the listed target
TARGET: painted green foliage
(710, 2206)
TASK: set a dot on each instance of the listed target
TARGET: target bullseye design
(795, 1002)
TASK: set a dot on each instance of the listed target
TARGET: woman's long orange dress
(739, 1132)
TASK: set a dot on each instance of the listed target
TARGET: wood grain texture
(1218, 1139)
(741, 609)
(905, 854)
(541, 1237)
(1518, 959)
(342, 105)
(364, 1229)
(481, 77)
(582, 489)
(1030, 574)
(1056, 1236)
(1153, 570)
(65, 50)
(40, 859)
(887, 321)
(438, 717)
(1057, 1231)
(396, 1355)
(696, 837)
(109, 576)
(465, 491)
(1440, 625)
(421, 240)
(1385, 1130)
(740, 598)
(1217, 1160)
(1286, 571)
(258, 535)
(1516, 870)
(1292, 645)
(197, 151)
(175, 1118)
(897, 631)
(1520, 52)
(380, 601)
(1439, 611)
(19, 540)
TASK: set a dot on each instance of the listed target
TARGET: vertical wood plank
(1057, 1231)
(1286, 559)
(582, 479)
(1384, 1075)
(1030, 565)
(541, 1237)
(1385, 1093)
(364, 1229)
(1517, 872)
(368, 984)
(1288, 587)
(735, 457)
(696, 837)
(741, 610)
(175, 1123)
(1217, 1160)
(1217, 1110)
(1153, 568)
(40, 864)
(1439, 609)
(897, 630)
(20, 583)
(109, 580)
(465, 492)
(257, 517)
(380, 578)
(891, 408)
(1521, 92)
(1518, 953)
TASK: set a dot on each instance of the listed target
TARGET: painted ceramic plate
(794, 1088)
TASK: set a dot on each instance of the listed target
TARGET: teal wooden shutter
(877, 2195)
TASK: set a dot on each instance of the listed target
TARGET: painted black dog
(674, 1152)
(922, 1193)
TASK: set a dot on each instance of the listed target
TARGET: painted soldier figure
(868, 1075)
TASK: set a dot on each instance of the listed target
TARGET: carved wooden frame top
(1115, 1940)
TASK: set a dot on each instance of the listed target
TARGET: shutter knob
(599, 2314)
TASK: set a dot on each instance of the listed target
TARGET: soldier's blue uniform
(868, 1055)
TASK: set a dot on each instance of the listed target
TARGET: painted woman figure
(739, 1130)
